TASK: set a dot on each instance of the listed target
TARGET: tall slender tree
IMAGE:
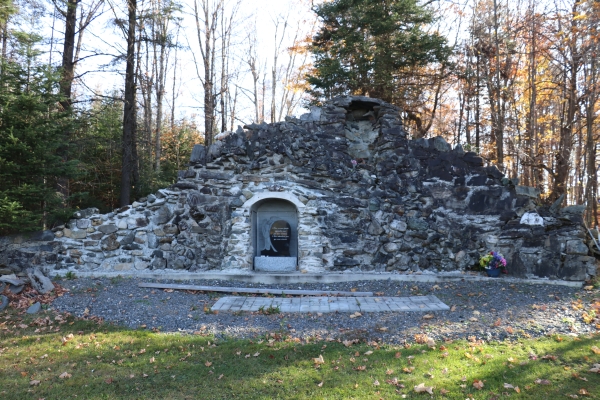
(129, 109)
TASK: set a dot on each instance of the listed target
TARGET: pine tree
(365, 47)
(31, 126)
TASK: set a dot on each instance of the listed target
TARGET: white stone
(390, 247)
(312, 116)
(122, 224)
(123, 266)
(275, 264)
(531, 218)
(399, 226)
(491, 239)
(274, 195)
(139, 265)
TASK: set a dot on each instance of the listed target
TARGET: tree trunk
(68, 64)
(129, 108)
(160, 90)
(498, 127)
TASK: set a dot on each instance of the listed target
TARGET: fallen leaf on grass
(361, 368)
(575, 375)
(64, 375)
(349, 343)
(109, 380)
(478, 384)
(319, 360)
(420, 388)
(542, 381)
(595, 349)
(376, 383)
(368, 353)
(34, 382)
(208, 363)
(320, 384)
(389, 371)
(595, 368)
(584, 392)
(549, 357)
(408, 370)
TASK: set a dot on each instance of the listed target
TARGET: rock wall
(367, 198)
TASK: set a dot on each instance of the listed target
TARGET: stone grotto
(339, 189)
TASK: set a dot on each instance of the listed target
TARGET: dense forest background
(102, 101)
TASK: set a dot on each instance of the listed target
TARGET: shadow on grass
(108, 362)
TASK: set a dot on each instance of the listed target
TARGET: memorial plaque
(277, 236)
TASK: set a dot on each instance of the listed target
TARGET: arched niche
(274, 235)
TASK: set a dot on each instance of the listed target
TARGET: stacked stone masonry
(367, 199)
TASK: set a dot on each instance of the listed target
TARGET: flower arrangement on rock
(493, 263)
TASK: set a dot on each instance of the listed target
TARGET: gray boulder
(12, 279)
(40, 282)
(34, 308)
(16, 289)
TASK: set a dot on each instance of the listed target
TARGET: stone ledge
(270, 278)
(275, 264)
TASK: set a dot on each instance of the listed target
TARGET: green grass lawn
(45, 357)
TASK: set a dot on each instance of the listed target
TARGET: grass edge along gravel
(54, 356)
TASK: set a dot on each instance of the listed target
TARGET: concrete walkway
(330, 304)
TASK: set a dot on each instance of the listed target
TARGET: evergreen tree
(364, 47)
(98, 149)
(31, 125)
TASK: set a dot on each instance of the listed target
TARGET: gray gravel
(487, 310)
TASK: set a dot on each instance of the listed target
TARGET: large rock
(110, 243)
(375, 228)
(108, 229)
(12, 279)
(577, 247)
(40, 282)
(531, 218)
(162, 215)
(198, 154)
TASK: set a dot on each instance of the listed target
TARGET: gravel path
(486, 310)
